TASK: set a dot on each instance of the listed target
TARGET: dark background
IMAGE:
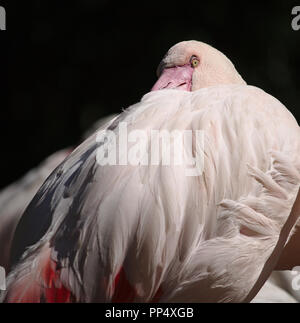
(66, 64)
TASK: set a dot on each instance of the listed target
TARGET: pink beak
(178, 77)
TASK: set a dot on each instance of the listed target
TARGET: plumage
(15, 198)
(151, 233)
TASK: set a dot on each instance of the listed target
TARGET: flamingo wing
(15, 198)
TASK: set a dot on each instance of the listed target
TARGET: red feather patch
(46, 288)
(125, 293)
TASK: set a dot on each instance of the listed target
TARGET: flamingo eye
(194, 61)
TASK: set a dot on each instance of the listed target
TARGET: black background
(66, 63)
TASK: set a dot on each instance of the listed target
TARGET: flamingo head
(192, 65)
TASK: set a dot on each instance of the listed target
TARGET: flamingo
(141, 233)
